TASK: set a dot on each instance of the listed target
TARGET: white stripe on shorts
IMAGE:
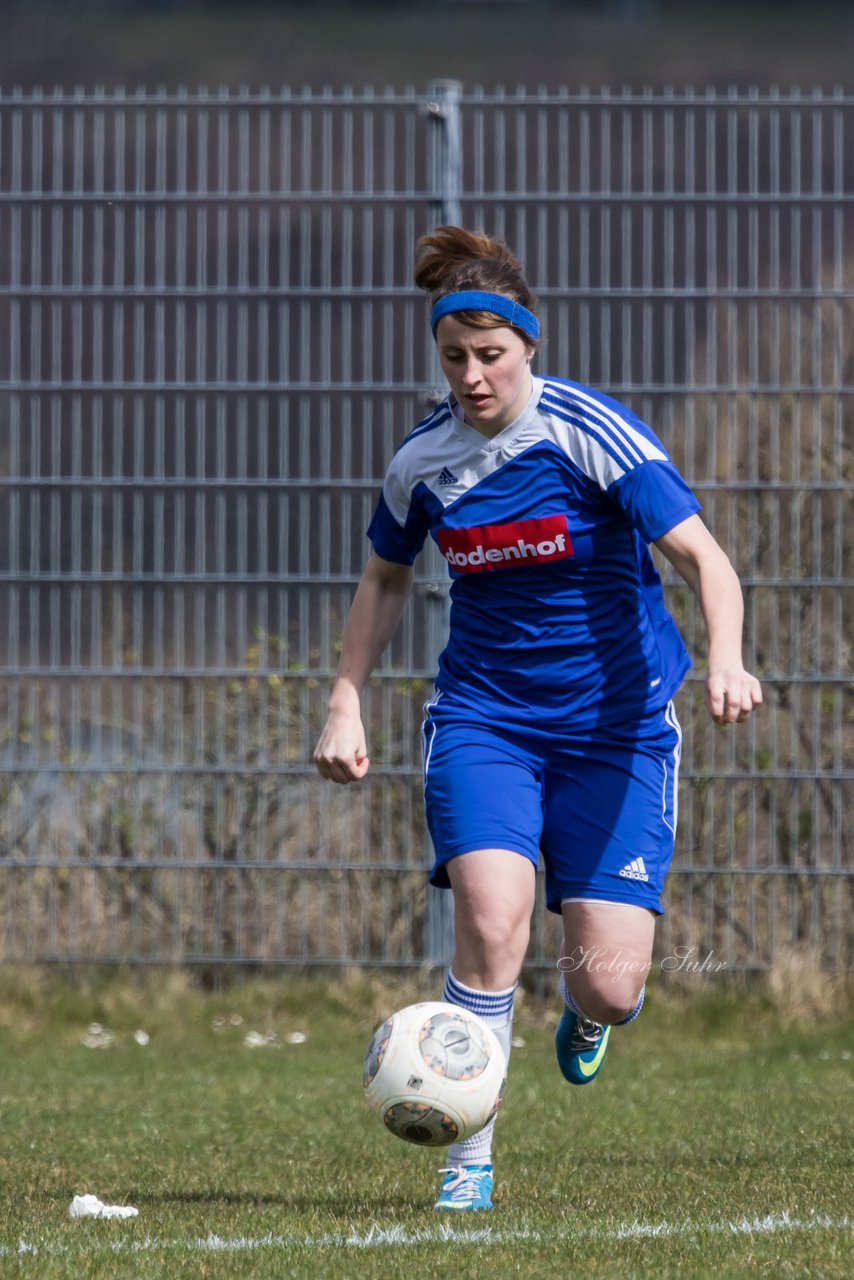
(671, 718)
(609, 901)
(427, 743)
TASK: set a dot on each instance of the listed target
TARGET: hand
(731, 694)
(341, 754)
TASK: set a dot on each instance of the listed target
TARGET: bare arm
(731, 692)
(341, 753)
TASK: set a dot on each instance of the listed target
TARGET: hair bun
(444, 251)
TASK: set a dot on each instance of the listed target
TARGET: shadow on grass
(335, 1202)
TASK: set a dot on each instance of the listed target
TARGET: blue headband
(498, 303)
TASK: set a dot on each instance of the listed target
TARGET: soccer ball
(434, 1073)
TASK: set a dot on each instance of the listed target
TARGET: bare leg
(606, 956)
(493, 901)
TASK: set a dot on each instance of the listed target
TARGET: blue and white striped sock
(568, 998)
(496, 1010)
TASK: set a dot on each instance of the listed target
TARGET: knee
(498, 933)
(607, 1002)
(493, 946)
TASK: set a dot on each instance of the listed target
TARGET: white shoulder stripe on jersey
(439, 415)
(593, 429)
(618, 423)
(426, 450)
(593, 415)
(618, 427)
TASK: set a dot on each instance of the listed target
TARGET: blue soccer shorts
(599, 805)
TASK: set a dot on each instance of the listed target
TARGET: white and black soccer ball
(434, 1073)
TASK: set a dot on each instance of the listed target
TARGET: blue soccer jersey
(557, 609)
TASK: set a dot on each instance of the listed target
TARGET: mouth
(477, 402)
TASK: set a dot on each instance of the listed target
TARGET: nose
(471, 373)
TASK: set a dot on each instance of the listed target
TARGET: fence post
(444, 186)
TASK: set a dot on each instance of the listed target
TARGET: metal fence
(210, 346)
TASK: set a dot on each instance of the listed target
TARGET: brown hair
(451, 259)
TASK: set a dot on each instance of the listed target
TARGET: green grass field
(716, 1142)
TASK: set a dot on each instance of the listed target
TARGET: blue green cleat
(581, 1045)
(466, 1187)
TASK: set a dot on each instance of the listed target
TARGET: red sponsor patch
(506, 546)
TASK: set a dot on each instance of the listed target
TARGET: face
(488, 370)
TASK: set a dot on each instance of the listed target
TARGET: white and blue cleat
(466, 1187)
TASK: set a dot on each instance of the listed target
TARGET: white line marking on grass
(743, 1226)
(444, 1233)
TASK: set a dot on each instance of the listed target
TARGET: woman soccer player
(552, 731)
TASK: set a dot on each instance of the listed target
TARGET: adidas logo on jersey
(492, 546)
(446, 477)
(634, 870)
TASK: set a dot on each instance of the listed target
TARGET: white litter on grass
(97, 1037)
(90, 1206)
(141, 1037)
(257, 1040)
(297, 1037)
(518, 1042)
